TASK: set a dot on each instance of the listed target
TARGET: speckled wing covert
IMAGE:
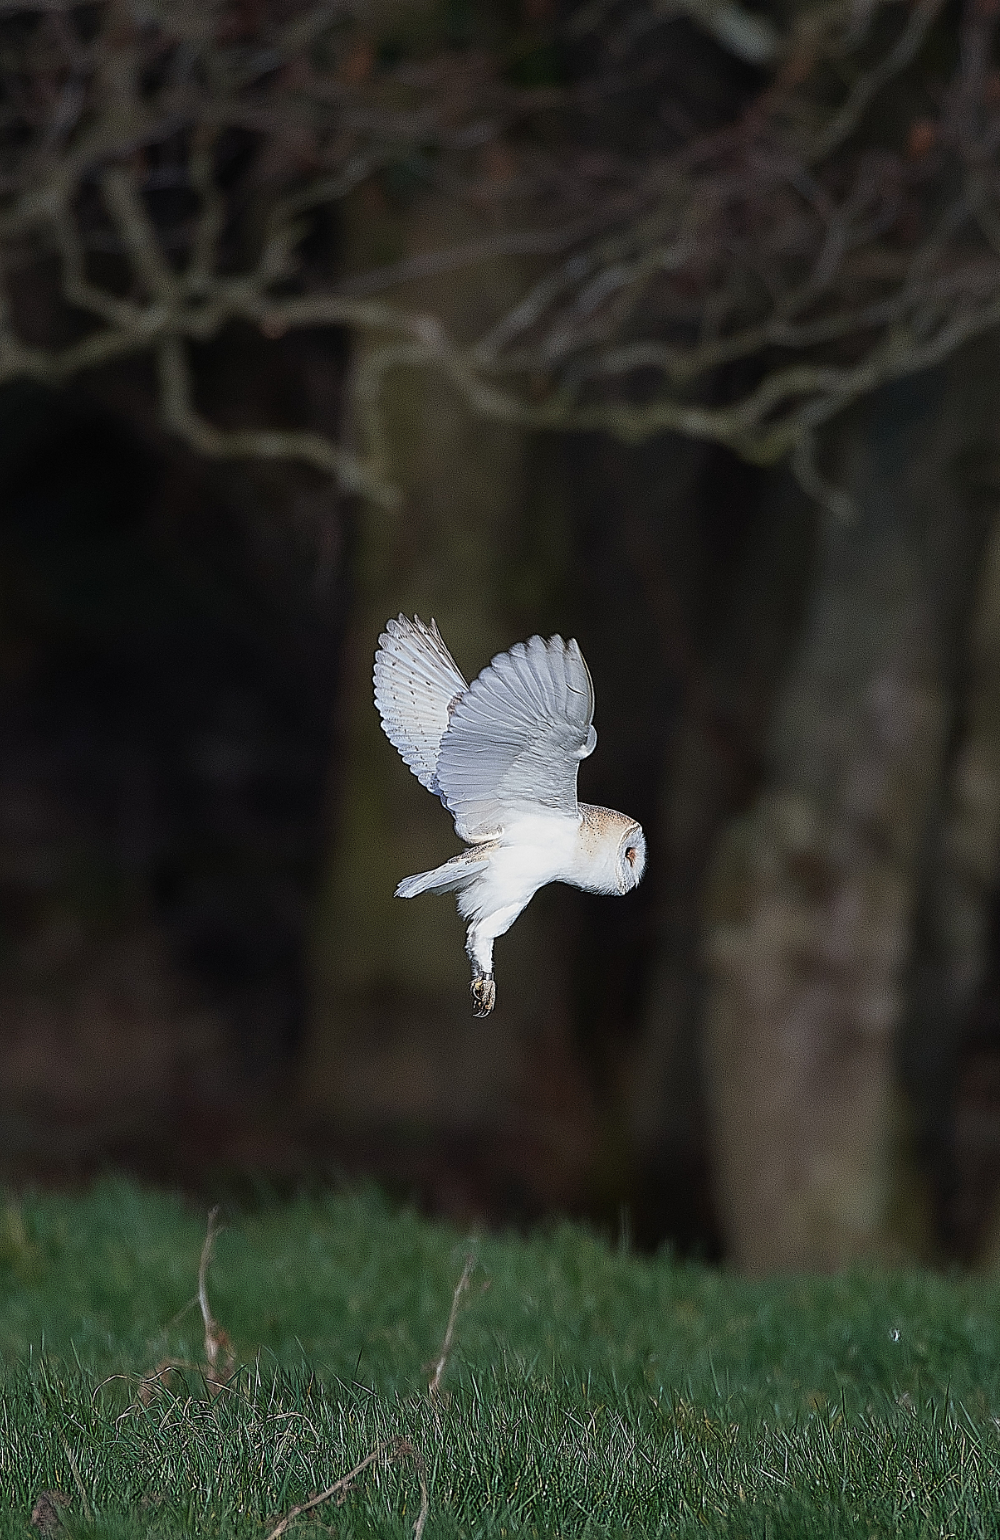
(417, 684)
(516, 736)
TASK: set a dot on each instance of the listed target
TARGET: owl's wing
(417, 683)
(516, 738)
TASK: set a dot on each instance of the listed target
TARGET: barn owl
(502, 754)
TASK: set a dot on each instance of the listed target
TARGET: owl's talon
(484, 995)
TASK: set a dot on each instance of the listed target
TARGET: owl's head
(612, 851)
(631, 858)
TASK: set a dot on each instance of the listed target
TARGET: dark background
(203, 976)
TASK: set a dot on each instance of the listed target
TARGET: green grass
(589, 1392)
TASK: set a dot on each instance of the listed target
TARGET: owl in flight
(502, 754)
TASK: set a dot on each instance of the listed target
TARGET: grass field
(587, 1392)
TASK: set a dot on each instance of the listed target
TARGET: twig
(439, 1368)
(216, 1339)
(257, 443)
(832, 498)
(867, 88)
(340, 1485)
(395, 1449)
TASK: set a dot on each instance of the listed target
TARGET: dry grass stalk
(220, 1360)
(434, 1386)
(159, 1378)
(218, 1347)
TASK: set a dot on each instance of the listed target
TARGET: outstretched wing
(417, 683)
(516, 738)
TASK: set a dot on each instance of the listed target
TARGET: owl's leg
(484, 994)
(479, 945)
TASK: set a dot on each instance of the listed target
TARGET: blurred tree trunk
(743, 617)
(811, 896)
(952, 936)
(392, 1041)
(640, 556)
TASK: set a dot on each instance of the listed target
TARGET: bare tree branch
(169, 169)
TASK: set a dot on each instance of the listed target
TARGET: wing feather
(515, 738)
(417, 683)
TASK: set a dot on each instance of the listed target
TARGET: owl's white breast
(538, 848)
(530, 851)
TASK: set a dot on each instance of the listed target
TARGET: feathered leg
(479, 945)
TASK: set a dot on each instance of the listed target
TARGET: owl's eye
(631, 854)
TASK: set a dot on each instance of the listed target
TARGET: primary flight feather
(503, 754)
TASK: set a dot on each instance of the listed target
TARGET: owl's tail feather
(449, 878)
